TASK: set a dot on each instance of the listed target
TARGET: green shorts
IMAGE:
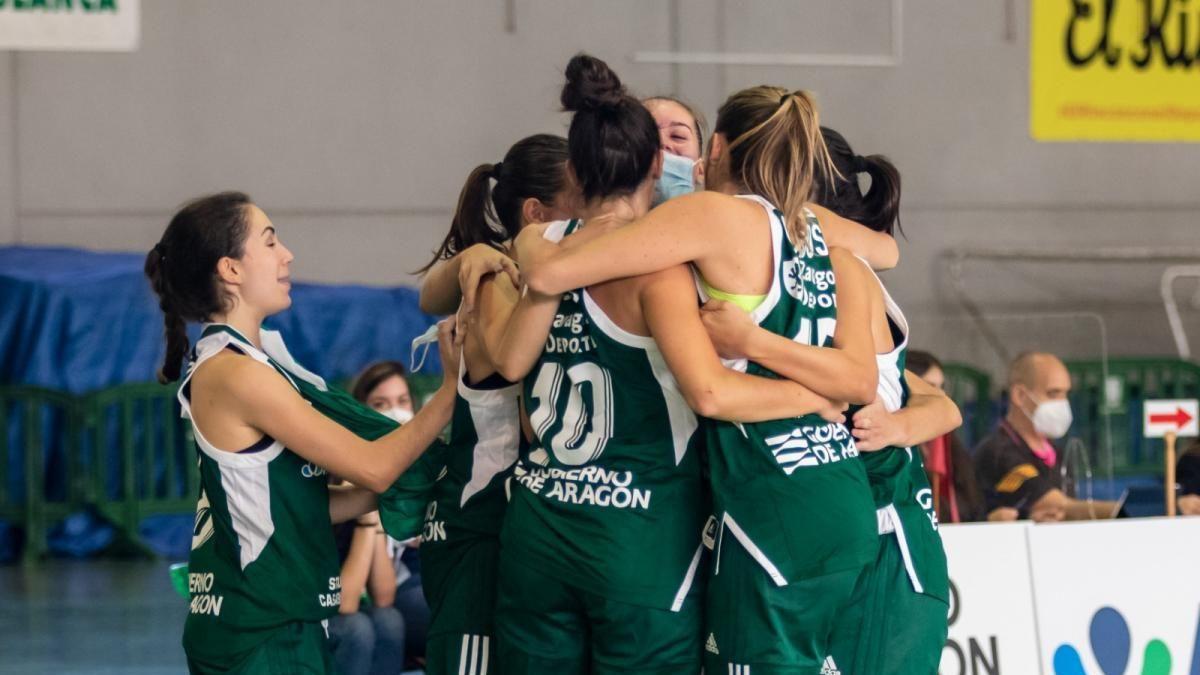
(888, 617)
(459, 580)
(546, 626)
(755, 626)
(468, 654)
(300, 647)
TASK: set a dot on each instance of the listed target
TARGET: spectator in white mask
(382, 385)
(1018, 465)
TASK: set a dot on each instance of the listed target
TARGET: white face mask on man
(400, 415)
(1051, 419)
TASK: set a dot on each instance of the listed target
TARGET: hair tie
(496, 170)
(784, 99)
(161, 251)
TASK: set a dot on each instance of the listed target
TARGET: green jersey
(608, 497)
(899, 485)
(468, 498)
(262, 550)
(793, 492)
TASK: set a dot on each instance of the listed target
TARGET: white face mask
(1052, 418)
(400, 415)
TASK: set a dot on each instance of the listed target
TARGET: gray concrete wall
(354, 124)
(8, 178)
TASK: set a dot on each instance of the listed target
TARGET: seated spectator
(366, 640)
(1187, 475)
(384, 386)
(1017, 464)
(951, 471)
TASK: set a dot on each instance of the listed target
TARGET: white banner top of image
(70, 25)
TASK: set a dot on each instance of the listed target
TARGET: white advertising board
(85, 25)
(1118, 597)
(992, 626)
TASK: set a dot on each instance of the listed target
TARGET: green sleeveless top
(899, 485)
(262, 550)
(793, 492)
(608, 497)
(468, 498)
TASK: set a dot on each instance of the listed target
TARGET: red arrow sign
(1179, 418)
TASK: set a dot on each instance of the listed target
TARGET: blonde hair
(775, 148)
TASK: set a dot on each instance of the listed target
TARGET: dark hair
(698, 122)
(879, 209)
(613, 140)
(532, 167)
(374, 375)
(775, 147)
(921, 362)
(182, 268)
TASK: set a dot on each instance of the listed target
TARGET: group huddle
(681, 430)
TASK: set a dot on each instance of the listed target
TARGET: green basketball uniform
(263, 571)
(460, 549)
(790, 494)
(607, 501)
(901, 605)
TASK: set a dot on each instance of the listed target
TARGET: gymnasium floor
(96, 617)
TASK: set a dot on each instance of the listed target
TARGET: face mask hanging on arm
(676, 178)
(422, 343)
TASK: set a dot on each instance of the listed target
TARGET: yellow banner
(1115, 70)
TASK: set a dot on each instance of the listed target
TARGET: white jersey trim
(207, 348)
(611, 329)
(777, 235)
(688, 580)
(496, 415)
(889, 523)
(890, 388)
(245, 476)
(754, 551)
(556, 231)
(774, 293)
(679, 414)
(248, 496)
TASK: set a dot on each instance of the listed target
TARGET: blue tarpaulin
(78, 321)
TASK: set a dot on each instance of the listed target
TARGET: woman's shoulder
(230, 371)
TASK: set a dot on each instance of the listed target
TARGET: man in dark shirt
(1017, 465)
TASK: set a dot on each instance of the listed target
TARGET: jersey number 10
(585, 429)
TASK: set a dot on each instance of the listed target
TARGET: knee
(355, 631)
(388, 623)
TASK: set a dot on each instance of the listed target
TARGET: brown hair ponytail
(879, 207)
(775, 148)
(182, 268)
(533, 167)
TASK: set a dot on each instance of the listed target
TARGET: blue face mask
(676, 178)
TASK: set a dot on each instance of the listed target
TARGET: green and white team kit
(795, 519)
(607, 502)
(460, 547)
(900, 606)
(263, 560)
